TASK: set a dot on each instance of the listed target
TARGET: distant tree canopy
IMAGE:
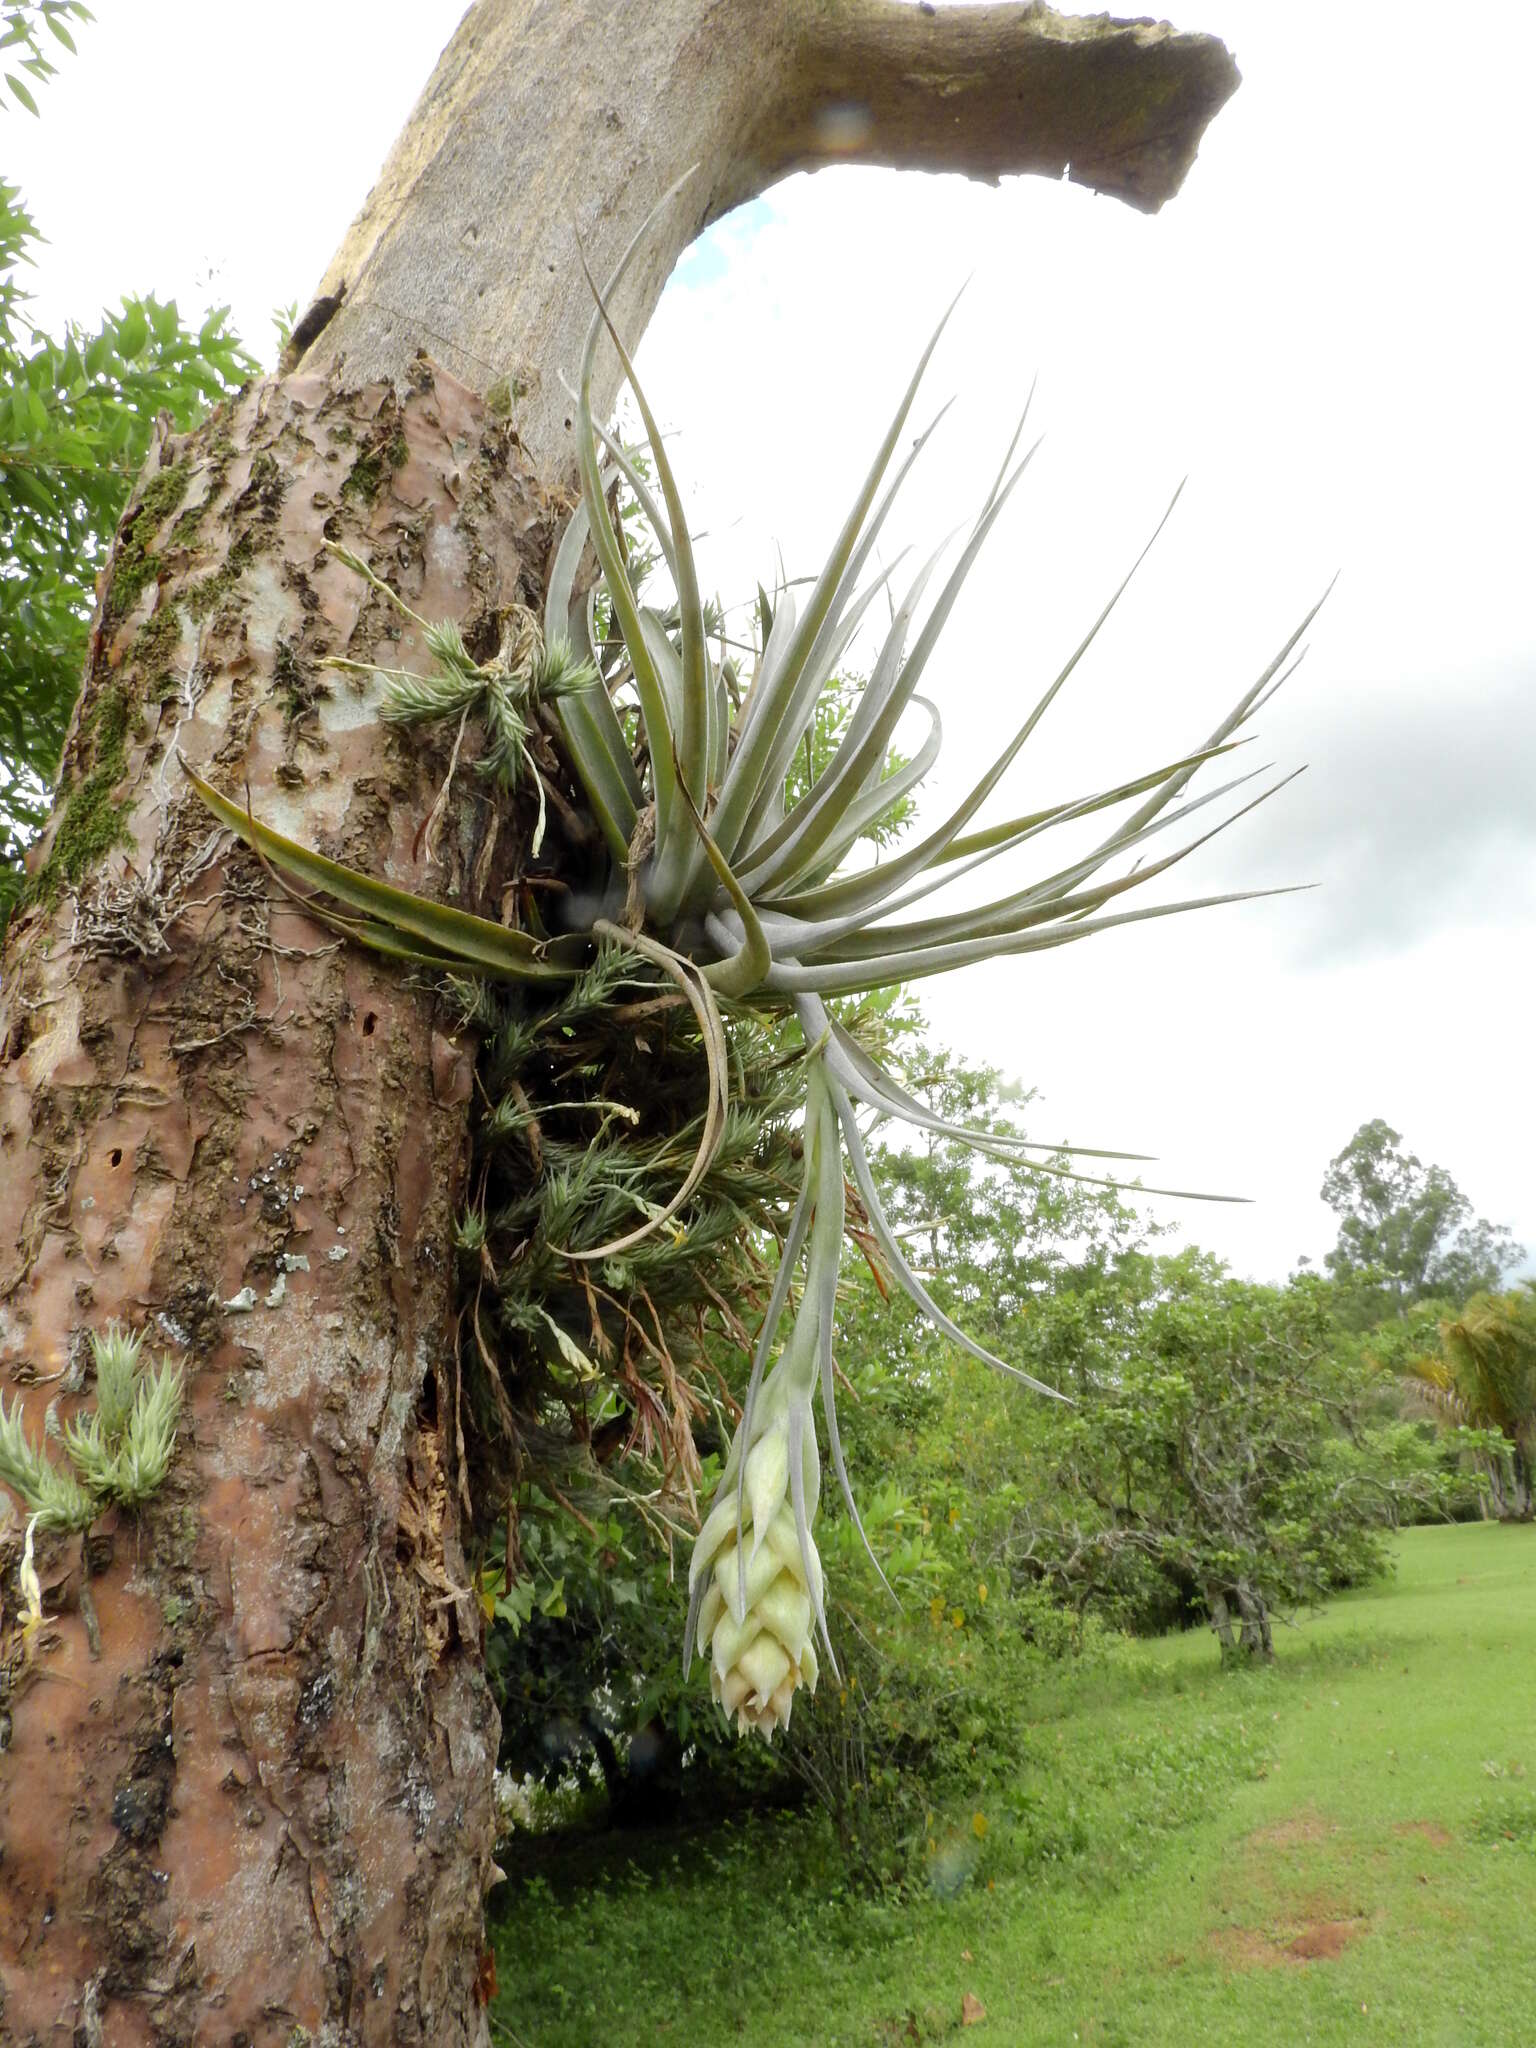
(1224, 1440)
(1406, 1231)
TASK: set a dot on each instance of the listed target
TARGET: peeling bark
(263, 1802)
(467, 244)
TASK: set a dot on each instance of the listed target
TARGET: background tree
(1483, 1377)
(1222, 1442)
(262, 1788)
(1406, 1231)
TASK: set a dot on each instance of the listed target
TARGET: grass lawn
(1341, 1848)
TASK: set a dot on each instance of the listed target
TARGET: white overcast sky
(1329, 331)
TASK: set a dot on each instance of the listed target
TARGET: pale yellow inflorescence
(760, 1650)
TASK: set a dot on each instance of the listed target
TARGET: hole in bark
(368, 1023)
(117, 1155)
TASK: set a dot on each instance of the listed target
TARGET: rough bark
(467, 243)
(260, 1802)
(1221, 1621)
(247, 1794)
(1509, 1486)
(1257, 1639)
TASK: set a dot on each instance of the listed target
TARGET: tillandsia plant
(724, 876)
(117, 1452)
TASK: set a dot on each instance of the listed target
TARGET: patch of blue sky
(705, 261)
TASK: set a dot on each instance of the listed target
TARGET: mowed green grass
(1341, 1848)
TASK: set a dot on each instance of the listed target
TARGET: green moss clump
(163, 493)
(503, 395)
(366, 477)
(156, 639)
(184, 532)
(363, 479)
(138, 563)
(206, 597)
(132, 573)
(92, 822)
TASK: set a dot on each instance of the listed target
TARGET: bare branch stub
(994, 91)
(542, 124)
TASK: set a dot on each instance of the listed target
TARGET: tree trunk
(260, 1789)
(1221, 1622)
(1257, 1640)
(1519, 1505)
(247, 1792)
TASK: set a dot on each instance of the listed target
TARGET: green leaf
(570, 1350)
(456, 934)
(132, 331)
(692, 727)
(835, 978)
(661, 739)
(777, 690)
(864, 891)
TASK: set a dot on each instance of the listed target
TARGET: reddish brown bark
(262, 1803)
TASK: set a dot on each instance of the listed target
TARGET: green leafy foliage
(1406, 1231)
(1482, 1376)
(77, 412)
(925, 1710)
(23, 49)
(582, 1655)
(1223, 1445)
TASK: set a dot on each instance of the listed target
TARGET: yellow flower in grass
(757, 1601)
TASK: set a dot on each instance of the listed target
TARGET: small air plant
(739, 894)
(526, 670)
(118, 1451)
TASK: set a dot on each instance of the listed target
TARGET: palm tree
(1484, 1377)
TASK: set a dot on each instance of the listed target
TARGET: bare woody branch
(544, 122)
